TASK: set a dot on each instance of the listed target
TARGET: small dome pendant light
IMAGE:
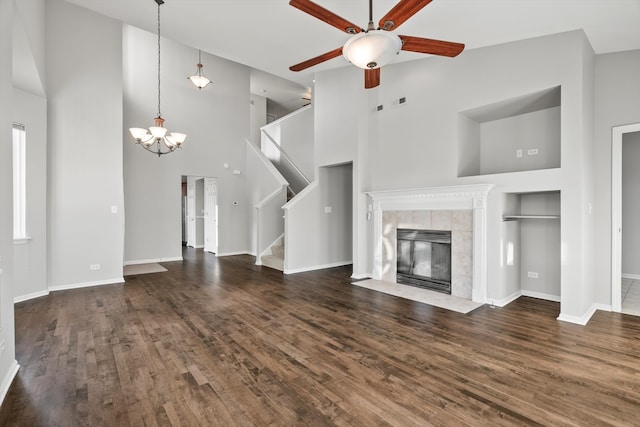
(199, 79)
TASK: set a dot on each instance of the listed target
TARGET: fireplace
(461, 209)
(424, 259)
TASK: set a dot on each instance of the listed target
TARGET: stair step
(277, 251)
(273, 261)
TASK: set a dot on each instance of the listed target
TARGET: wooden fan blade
(402, 11)
(431, 46)
(371, 78)
(318, 59)
(325, 15)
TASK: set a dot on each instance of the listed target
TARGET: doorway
(200, 212)
(618, 134)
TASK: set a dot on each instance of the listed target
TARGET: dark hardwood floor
(222, 342)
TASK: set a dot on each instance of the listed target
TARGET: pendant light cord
(159, 115)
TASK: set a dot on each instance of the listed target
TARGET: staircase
(275, 260)
(295, 132)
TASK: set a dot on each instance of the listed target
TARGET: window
(19, 183)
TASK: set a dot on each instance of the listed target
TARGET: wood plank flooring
(222, 342)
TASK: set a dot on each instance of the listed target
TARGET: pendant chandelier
(199, 79)
(157, 139)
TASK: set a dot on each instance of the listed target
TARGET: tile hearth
(425, 296)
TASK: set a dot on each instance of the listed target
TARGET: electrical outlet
(519, 153)
(532, 274)
(398, 102)
(328, 209)
(532, 151)
(94, 267)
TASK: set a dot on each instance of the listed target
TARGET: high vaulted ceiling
(271, 35)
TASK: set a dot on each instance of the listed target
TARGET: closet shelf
(517, 217)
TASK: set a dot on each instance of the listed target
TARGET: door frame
(211, 247)
(191, 217)
(617, 133)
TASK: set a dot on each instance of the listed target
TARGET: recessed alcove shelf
(517, 217)
(513, 135)
(531, 233)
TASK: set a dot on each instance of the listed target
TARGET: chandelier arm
(158, 150)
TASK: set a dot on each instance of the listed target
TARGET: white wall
(30, 258)
(8, 364)
(338, 107)
(315, 238)
(258, 117)
(417, 143)
(506, 256)
(217, 122)
(617, 91)
(85, 148)
(631, 204)
(29, 31)
(296, 139)
(499, 140)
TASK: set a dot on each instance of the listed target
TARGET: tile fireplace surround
(461, 209)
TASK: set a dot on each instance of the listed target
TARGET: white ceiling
(270, 35)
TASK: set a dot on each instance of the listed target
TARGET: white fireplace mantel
(473, 197)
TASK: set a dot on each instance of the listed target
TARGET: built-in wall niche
(531, 233)
(514, 135)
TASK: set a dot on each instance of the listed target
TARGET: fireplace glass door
(424, 259)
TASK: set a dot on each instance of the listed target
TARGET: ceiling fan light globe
(372, 49)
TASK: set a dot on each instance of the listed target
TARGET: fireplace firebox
(424, 259)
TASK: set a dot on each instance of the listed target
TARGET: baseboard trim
(317, 267)
(362, 276)
(579, 320)
(631, 276)
(603, 307)
(504, 301)
(540, 295)
(115, 281)
(32, 295)
(8, 379)
(152, 260)
(234, 253)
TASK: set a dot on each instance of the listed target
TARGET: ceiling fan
(371, 48)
